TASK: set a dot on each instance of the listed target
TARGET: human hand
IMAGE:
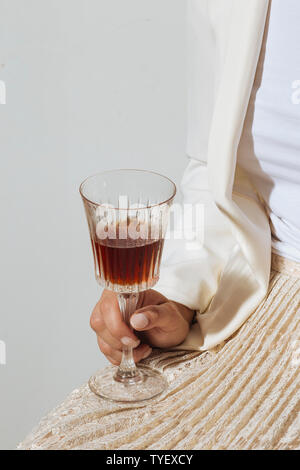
(157, 322)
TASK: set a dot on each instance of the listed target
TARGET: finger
(154, 316)
(115, 343)
(143, 351)
(98, 325)
(107, 315)
(113, 361)
(117, 327)
(96, 321)
(109, 352)
(115, 356)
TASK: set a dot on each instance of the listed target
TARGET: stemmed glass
(127, 213)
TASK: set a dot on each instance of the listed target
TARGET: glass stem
(127, 371)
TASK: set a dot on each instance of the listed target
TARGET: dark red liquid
(128, 262)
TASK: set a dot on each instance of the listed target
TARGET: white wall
(91, 85)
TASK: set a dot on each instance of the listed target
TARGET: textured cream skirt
(244, 394)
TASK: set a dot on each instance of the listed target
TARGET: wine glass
(127, 213)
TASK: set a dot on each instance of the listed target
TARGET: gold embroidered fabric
(244, 394)
(284, 265)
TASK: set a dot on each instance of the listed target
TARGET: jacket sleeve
(191, 268)
(223, 273)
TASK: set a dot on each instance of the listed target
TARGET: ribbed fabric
(244, 394)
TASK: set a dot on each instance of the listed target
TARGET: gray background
(91, 85)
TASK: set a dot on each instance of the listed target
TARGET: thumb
(151, 316)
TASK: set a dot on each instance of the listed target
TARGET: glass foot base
(149, 384)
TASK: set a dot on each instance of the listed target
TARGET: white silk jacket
(226, 277)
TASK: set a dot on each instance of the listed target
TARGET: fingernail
(139, 320)
(130, 342)
(147, 353)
